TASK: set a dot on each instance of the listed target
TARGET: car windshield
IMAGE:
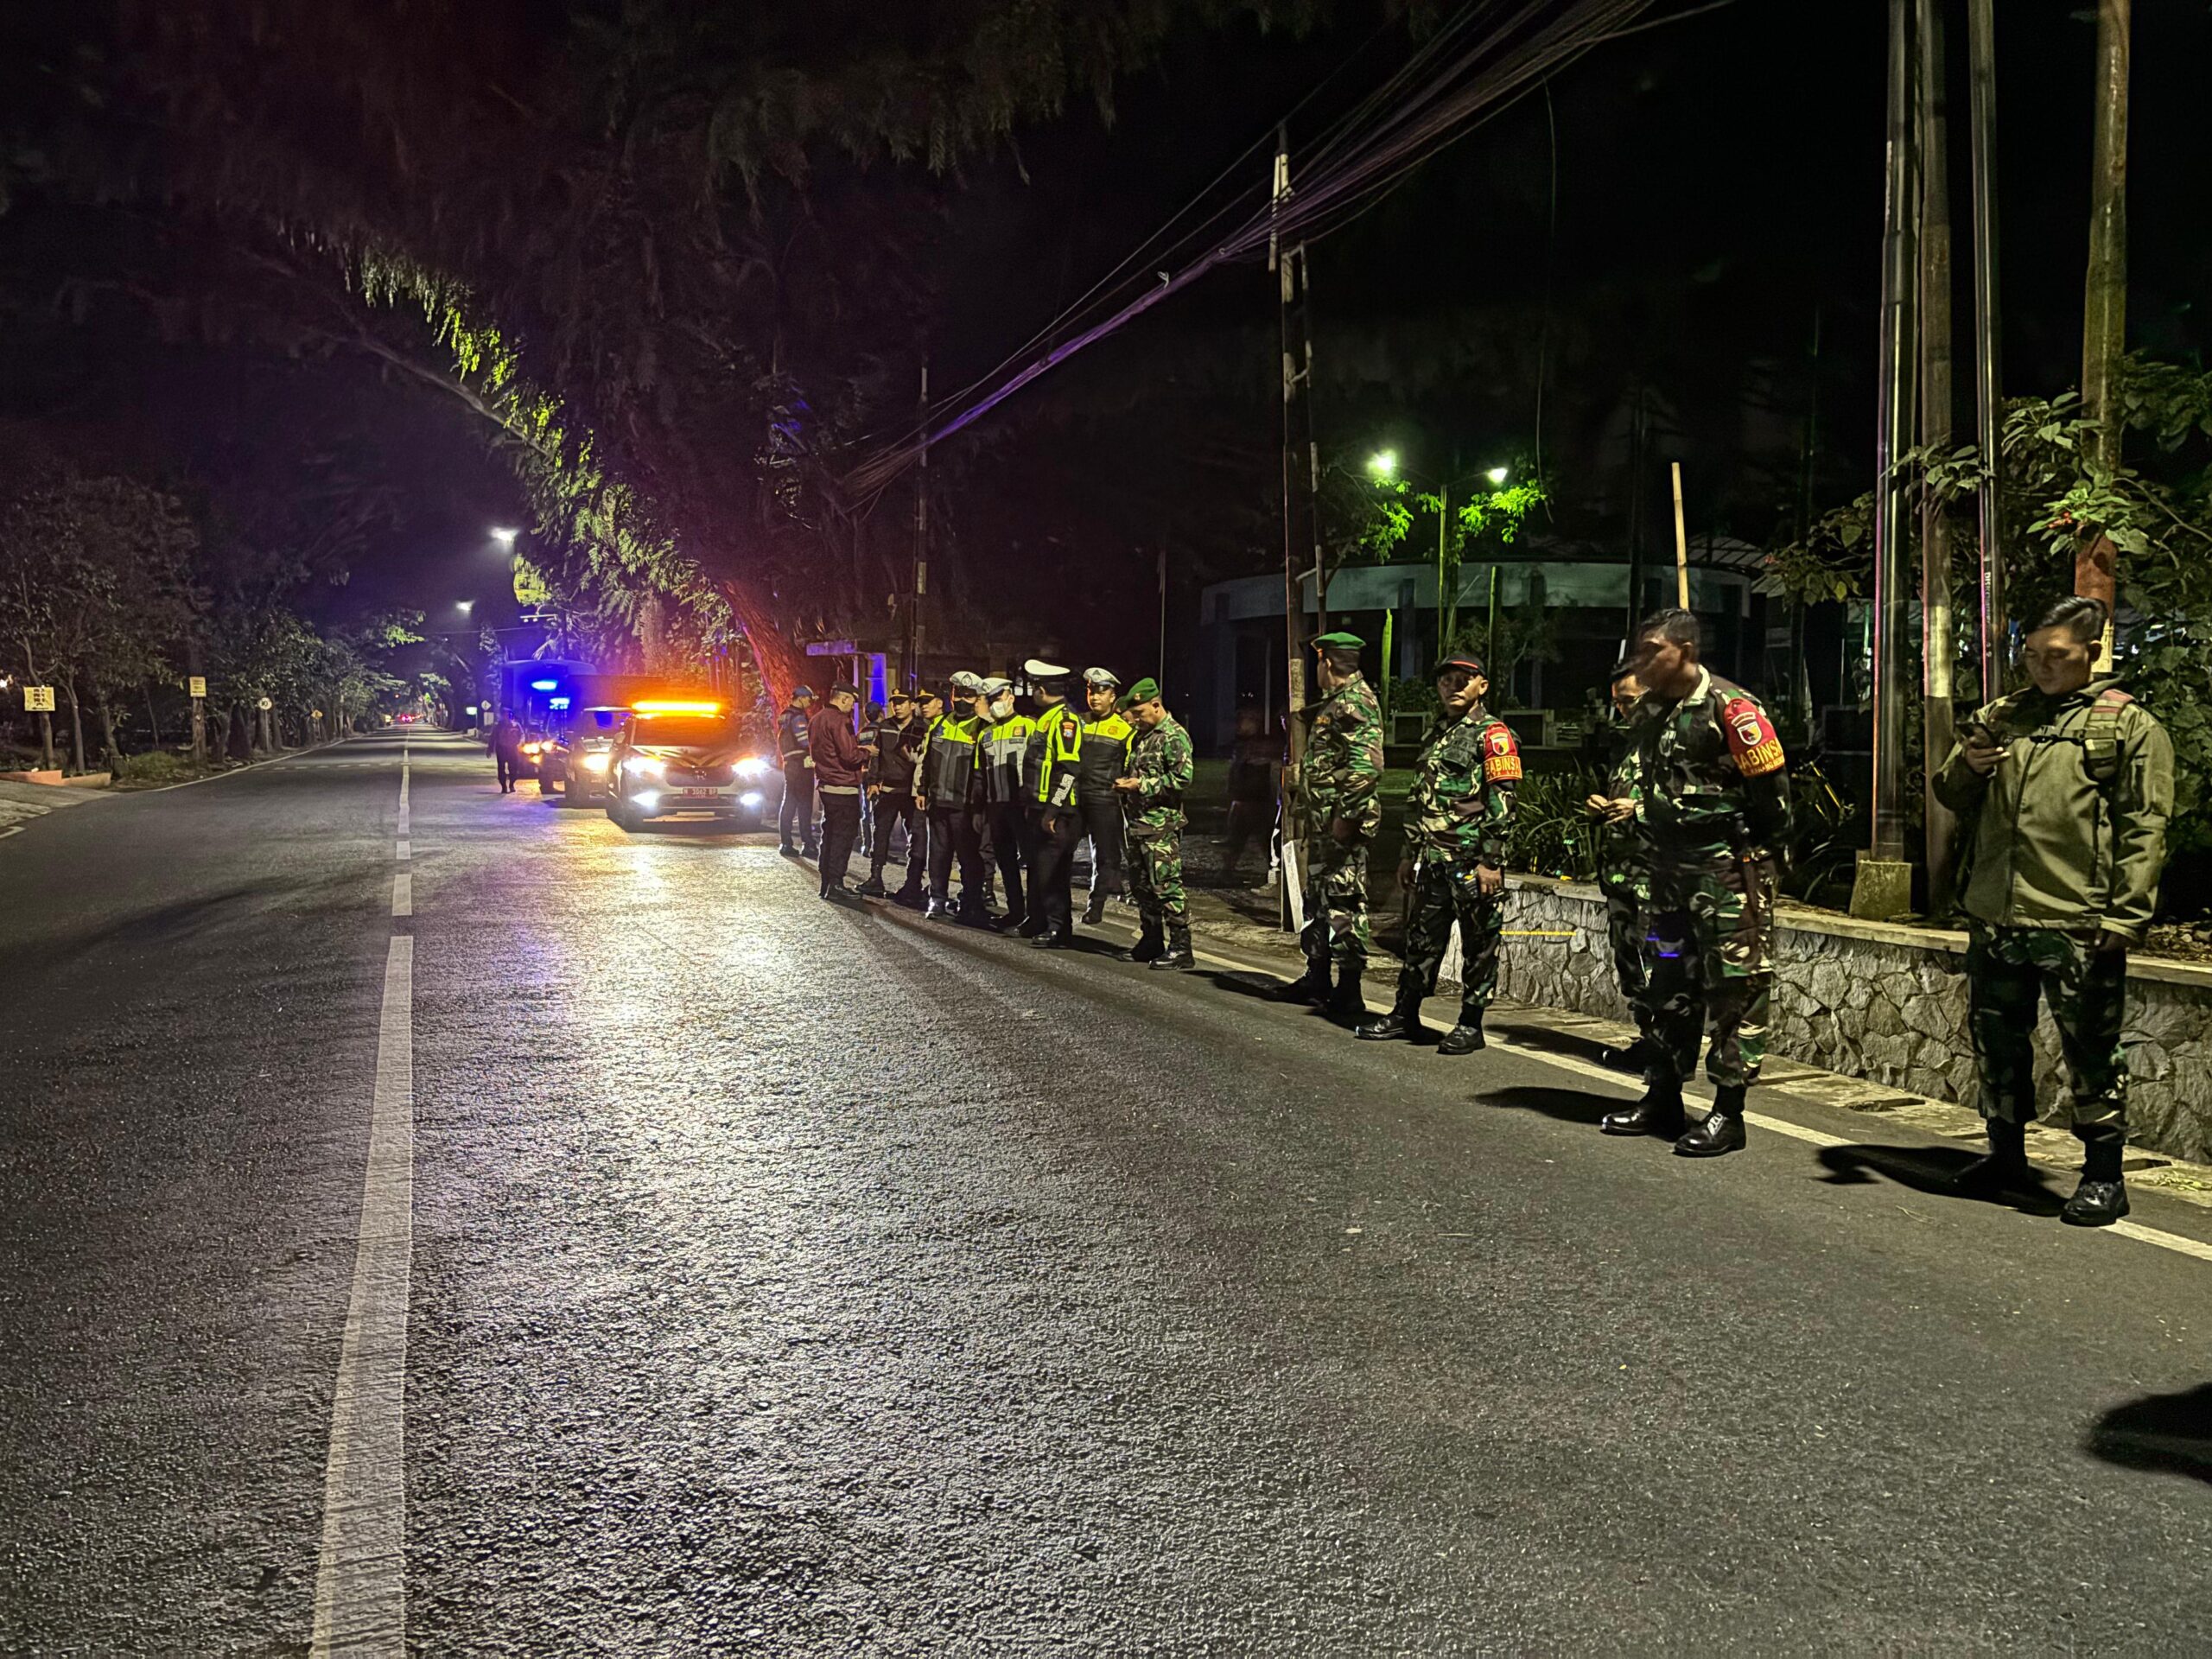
(685, 731)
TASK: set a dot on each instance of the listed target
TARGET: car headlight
(752, 766)
(595, 762)
(643, 765)
(533, 748)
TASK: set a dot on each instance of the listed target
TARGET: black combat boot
(1053, 939)
(1312, 986)
(1149, 946)
(1178, 953)
(1094, 908)
(2003, 1168)
(2101, 1198)
(1466, 1037)
(973, 915)
(873, 888)
(1403, 1020)
(1722, 1131)
(1345, 1003)
(1659, 1112)
(938, 910)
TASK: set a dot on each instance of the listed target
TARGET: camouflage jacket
(1715, 785)
(1625, 849)
(1159, 759)
(1462, 798)
(1343, 765)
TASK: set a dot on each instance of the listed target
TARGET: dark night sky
(1718, 181)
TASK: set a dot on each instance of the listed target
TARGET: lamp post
(1382, 464)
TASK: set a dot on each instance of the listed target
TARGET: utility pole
(910, 664)
(1635, 441)
(1300, 490)
(1981, 46)
(2103, 313)
(1884, 884)
(1938, 643)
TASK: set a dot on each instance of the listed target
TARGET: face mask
(1002, 707)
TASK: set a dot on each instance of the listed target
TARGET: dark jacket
(896, 744)
(838, 757)
(791, 737)
(945, 775)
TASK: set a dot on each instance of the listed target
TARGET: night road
(749, 1275)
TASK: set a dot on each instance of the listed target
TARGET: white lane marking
(361, 1593)
(404, 851)
(403, 894)
(2173, 1242)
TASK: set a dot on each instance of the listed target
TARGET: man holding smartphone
(2068, 783)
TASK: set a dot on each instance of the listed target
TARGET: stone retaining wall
(1889, 1003)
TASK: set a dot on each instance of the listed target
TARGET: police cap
(1101, 676)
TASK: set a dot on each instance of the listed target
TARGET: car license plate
(699, 794)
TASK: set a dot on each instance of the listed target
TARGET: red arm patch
(1500, 756)
(1751, 738)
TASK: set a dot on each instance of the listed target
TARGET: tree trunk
(153, 719)
(76, 724)
(1937, 661)
(107, 727)
(2104, 317)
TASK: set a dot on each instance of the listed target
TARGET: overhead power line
(1488, 55)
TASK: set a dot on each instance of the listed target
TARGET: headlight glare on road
(643, 765)
(752, 766)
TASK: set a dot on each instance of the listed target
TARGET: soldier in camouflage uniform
(1624, 866)
(1337, 814)
(1152, 802)
(1716, 803)
(2068, 786)
(1454, 863)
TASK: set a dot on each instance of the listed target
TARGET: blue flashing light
(544, 685)
(557, 703)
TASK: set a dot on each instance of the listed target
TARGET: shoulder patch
(1751, 737)
(1501, 754)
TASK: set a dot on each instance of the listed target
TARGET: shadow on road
(1563, 1042)
(1262, 987)
(1932, 1170)
(1568, 1105)
(2168, 1434)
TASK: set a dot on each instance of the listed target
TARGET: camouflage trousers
(1152, 859)
(1335, 901)
(1444, 893)
(1712, 964)
(1628, 932)
(2008, 969)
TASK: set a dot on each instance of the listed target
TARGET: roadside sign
(38, 699)
(315, 714)
(830, 648)
(197, 685)
(264, 705)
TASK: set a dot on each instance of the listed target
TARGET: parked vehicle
(578, 758)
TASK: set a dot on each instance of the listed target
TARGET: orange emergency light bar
(660, 706)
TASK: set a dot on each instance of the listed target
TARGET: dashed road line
(403, 894)
(360, 1598)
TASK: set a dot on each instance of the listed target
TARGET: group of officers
(979, 787)
(2062, 789)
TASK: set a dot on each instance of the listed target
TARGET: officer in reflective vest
(1106, 734)
(1048, 780)
(944, 780)
(1002, 745)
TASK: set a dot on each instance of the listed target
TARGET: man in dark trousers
(1049, 775)
(898, 739)
(797, 751)
(506, 749)
(839, 763)
(1106, 737)
(945, 785)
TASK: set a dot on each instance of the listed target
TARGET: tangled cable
(1489, 54)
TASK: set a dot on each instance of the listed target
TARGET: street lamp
(1497, 475)
(506, 538)
(464, 606)
(1383, 463)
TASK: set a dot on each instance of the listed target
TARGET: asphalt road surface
(619, 1250)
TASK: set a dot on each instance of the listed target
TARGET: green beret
(1144, 691)
(1338, 642)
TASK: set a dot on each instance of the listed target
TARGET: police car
(580, 758)
(680, 756)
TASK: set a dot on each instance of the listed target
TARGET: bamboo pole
(1937, 640)
(1982, 43)
(1681, 546)
(2104, 315)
